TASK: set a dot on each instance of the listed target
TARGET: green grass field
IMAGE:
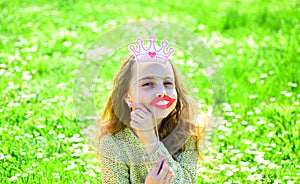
(256, 43)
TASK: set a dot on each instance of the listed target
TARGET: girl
(148, 132)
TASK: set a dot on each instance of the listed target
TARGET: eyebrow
(152, 77)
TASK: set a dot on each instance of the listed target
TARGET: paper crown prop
(151, 54)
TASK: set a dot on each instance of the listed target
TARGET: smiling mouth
(162, 102)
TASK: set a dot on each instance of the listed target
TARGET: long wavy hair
(114, 120)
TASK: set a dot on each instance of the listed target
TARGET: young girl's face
(153, 85)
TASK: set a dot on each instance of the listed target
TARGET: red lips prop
(162, 102)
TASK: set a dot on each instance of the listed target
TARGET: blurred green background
(256, 44)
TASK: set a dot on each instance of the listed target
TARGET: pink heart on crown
(151, 54)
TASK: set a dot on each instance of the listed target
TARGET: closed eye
(148, 84)
(168, 83)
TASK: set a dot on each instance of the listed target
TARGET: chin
(161, 114)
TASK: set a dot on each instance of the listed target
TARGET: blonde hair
(184, 112)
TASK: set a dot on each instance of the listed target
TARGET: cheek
(142, 96)
(173, 93)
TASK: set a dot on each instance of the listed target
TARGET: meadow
(256, 44)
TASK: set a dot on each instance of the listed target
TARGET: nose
(161, 91)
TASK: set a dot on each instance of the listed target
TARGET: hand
(141, 117)
(142, 122)
(162, 173)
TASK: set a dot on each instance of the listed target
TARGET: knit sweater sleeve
(113, 167)
(185, 168)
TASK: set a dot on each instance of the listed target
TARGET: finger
(161, 165)
(170, 175)
(158, 164)
(167, 163)
(169, 178)
(170, 168)
(134, 112)
(138, 126)
(164, 171)
(140, 106)
(139, 112)
(136, 118)
(135, 125)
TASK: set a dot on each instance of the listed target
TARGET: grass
(256, 44)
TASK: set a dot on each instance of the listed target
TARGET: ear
(127, 100)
